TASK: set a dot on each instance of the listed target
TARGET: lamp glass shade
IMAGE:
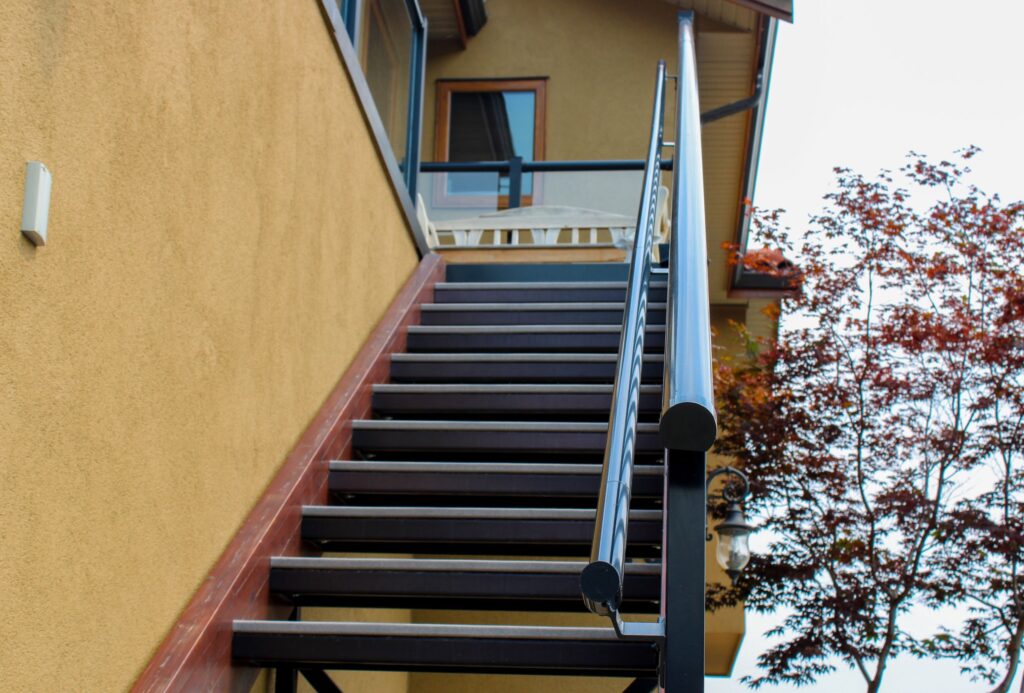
(733, 552)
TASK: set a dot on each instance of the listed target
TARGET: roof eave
(780, 9)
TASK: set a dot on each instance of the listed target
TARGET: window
(386, 44)
(491, 120)
(389, 42)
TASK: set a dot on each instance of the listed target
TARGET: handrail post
(515, 182)
(682, 571)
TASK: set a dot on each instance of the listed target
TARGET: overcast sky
(858, 84)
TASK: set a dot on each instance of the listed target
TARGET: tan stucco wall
(599, 57)
(222, 239)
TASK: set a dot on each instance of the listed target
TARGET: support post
(515, 182)
(286, 679)
(683, 581)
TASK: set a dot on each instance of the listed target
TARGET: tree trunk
(875, 684)
(1012, 660)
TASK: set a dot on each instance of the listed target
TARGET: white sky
(859, 84)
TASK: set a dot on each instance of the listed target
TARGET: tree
(981, 556)
(861, 422)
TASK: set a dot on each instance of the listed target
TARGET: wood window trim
(445, 89)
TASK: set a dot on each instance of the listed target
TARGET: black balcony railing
(515, 168)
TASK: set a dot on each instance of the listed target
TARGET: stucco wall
(599, 57)
(222, 239)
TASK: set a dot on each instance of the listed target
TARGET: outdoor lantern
(733, 551)
(733, 541)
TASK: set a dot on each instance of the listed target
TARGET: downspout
(729, 109)
(756, 102)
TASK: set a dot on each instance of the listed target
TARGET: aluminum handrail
(601, 580)
(688, 419)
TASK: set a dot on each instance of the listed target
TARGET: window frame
(345, 19)
(442, 122)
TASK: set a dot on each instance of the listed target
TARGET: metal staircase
(542, 439)
(494, 454)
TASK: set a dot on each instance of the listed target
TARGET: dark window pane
(490, 126)
(387, 63)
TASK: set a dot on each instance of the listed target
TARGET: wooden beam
(460, 23)
(196, 654)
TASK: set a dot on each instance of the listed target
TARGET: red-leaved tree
(868, 424)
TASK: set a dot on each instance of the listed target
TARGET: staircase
(522, 456)
(483, 463)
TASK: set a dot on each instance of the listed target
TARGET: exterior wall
(223, 237)
(599, 57)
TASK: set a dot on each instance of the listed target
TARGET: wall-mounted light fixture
(35, 213)
(733, 552)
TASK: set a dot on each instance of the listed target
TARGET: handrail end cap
(601, 586)
(688, 426)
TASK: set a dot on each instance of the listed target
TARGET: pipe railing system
(688, 412)
(688, 424)
(601, 580)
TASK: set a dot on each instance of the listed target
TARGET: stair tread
(481, 467)
(541, 285)
(503, 388)
(528, 306)
(446, 565)
(553, 650)
(461, 425)
(437, 630)
(460, 513)
(542, 357)
(522, 329)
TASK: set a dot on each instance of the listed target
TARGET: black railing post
(515, 182)
(286, 679)
(683, 572)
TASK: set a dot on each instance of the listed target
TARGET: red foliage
(897, 375)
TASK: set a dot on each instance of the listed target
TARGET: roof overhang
(780, 9)
(454, 19)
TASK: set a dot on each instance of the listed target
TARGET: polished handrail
(601, 580)
(688, 419)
